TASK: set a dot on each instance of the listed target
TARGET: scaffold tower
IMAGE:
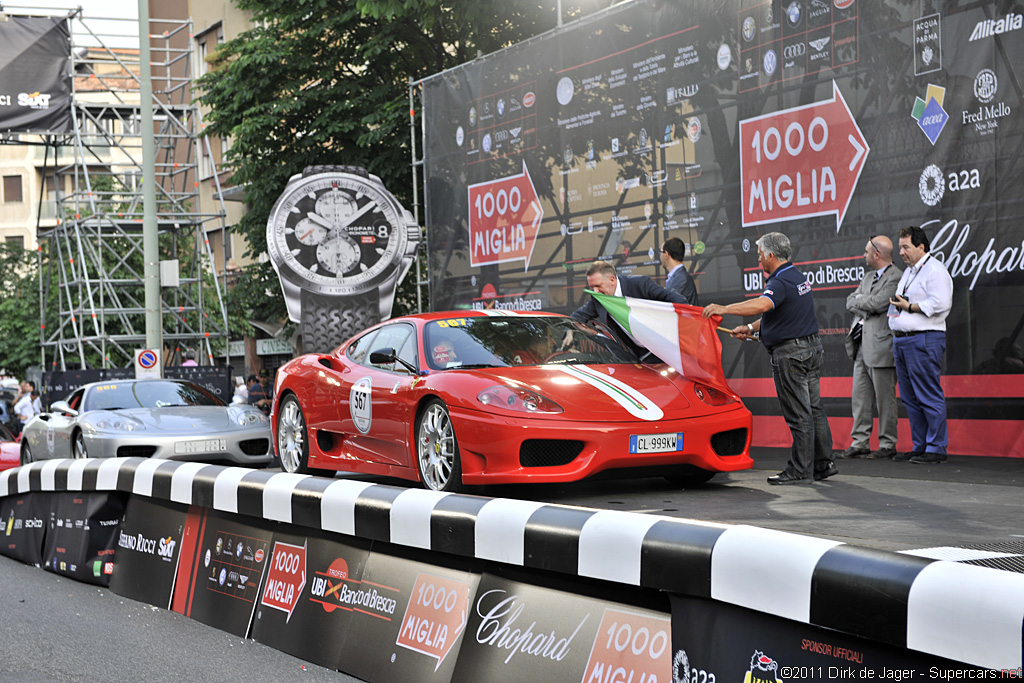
(91, 261)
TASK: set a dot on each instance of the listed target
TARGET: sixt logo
(34, 100)
(986, 28)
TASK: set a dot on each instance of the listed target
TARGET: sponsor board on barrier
(310, 618)
(223, 564)
(408, 617)
(25, 519)
(148, 549)
(715, 641)
(82, 535)
(529, 633)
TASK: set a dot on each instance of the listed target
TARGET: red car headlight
(518, 399)
(712, 396)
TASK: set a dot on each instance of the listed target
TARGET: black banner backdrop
(58, 385)
(304, 607)
(221, 569)
(715, 641)
(148, 549)
(25, 519)
(82, 535)
(35, 75)
(716, 122)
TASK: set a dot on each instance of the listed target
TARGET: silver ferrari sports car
(157, 418)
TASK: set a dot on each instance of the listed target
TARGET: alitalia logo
(990, 27)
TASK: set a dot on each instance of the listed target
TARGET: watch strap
(354, 170)
(327, 321)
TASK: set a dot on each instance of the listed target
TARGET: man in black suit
(601, 277)
(679, 281)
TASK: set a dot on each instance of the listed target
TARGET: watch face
(336, 233)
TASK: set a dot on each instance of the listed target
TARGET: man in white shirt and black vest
(917, 318)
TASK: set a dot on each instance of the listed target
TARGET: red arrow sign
(504, 219)
(286, 577)
(801, 162)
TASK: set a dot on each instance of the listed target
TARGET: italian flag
(676, 333)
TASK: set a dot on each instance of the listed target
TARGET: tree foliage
(322, 82)
(19, 309)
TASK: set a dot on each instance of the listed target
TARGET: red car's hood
(602, 393)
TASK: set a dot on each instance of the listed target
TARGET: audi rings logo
(794, 51)
(932, 185)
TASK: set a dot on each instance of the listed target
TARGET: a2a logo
(933, 184)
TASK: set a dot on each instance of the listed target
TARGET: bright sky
(114, 22)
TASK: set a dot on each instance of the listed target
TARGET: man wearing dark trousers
(601, 277)
(679, 281)
(917, 317)
(869, 345)
(789, 331)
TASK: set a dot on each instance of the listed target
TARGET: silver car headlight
(119, 424)
(246, 417)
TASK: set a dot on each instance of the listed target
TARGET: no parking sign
(147, 364)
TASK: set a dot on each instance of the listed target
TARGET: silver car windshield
(150, 394)
(509, 341)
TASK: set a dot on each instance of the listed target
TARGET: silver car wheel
(437, 451)
(78, 447)
(291, 435)
(26, 454)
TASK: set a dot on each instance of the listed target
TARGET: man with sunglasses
(869, 345)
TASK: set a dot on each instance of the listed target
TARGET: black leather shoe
(784, 477)
(826, 472)
(928, 459)
(882, 454)
(853, 452)
(904, 457)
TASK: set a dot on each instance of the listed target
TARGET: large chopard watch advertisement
(341, 244)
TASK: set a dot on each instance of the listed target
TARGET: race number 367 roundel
(360, 404)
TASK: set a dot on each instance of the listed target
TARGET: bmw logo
(794, 14)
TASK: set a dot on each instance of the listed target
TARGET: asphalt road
(57, 629)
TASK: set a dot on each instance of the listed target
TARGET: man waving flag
(676, 333)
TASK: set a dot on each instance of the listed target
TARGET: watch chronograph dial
(336, 232)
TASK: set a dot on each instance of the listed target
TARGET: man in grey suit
(869, 344)
(679, 281)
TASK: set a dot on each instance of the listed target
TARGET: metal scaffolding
(91, 262)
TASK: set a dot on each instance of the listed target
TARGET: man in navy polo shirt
(789, 330)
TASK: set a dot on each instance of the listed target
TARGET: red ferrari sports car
(10, 450)
(492, 397)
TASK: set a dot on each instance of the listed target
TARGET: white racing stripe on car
(338, 505)
(500, 528)
(277, 495)
(75, 474)
(783, 585)
(181, 481)
(613, 529)
(225, 488)
(499, 313)
(143, 485)
(626, 396)
(410, 517)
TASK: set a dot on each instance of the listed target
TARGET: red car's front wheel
(437, 450)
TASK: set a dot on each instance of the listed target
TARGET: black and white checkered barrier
(964, 613)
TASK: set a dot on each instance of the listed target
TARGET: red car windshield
(508, 341)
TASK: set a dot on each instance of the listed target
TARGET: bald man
(869, 345)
